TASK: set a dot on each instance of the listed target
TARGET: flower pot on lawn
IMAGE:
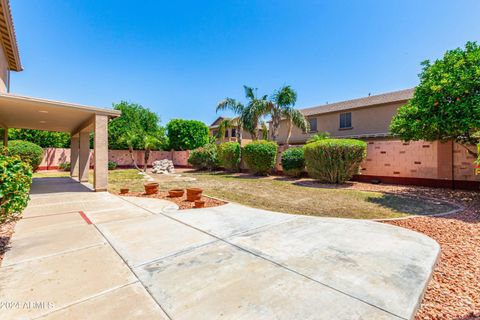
(199, 204)
(176, 193)
(194, 194)
(151, 188)
(124, 190)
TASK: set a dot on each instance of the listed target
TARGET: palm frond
(297, 118)
(230, 104)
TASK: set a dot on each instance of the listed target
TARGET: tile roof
(395, 96)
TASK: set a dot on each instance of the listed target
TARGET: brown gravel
(6, 231)
(181, 202)
(454, 291)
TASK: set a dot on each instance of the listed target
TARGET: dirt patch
(180, 201)
(6, 231)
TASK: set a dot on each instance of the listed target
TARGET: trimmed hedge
(29, 152)
(112, 165)
(260, 156)
(15, 181)
(204, 157)
(187, 134)
(334, 160)
(293, 162)
(229, 155)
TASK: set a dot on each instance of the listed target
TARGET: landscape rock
(164, 166)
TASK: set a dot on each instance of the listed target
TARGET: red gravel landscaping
(181, 201)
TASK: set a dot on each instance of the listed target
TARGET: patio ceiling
(34, 113)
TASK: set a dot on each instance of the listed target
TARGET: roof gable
(8, 38)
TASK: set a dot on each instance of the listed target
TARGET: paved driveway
(80, 255)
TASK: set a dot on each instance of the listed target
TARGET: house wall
(369, 120)
(53, 157)
(3, 71)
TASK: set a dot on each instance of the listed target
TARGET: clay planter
(194, 194)
(176, 193)
(199, 204)
(151, 188)
(124, 191)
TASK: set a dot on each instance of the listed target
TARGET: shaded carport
(80, 121)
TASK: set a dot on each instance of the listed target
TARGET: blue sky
(179, 58)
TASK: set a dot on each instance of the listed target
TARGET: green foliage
(45, 139)
(229, 155)
(260, 156)
(446, 103)
(65, 166)
(319, 136)
(293, 161)
(136, 119)
(112, 165)
(334, 160)
(29, 152)
(15, 181)
(204, 157)
(187, 134)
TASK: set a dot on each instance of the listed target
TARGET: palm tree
(254, 111)
(224, 125)
(130, 138)
(149, 143)
(283, 101)
(238, 109)
(294, 117)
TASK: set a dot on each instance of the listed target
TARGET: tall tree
(446, 103)
(238, 109)
(294, 117)
(223, 126)
(256, 108)
(282, 99)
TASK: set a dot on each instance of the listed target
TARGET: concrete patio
(79, 254)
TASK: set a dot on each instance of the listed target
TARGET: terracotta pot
(199, 204)
(124, 190)
(176, 193)
(151, 188)
(194, 194)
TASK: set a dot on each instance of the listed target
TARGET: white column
(100, 180)
(74, 152)
(84, 156)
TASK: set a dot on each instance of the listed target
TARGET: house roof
(215, 123)
(389, 97)
(8, 38)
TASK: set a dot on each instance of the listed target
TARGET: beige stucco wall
(371, 120)
(3, 72)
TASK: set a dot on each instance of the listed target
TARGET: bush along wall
(334, 160)
(260, 156)
(204, 157)
(15, 181)
(293, 162)
(229, 155)
(187, 134)
(28, 152)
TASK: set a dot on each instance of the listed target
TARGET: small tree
(130, 138)
(446, 103)
(238, 109)
(187, 134)
(149, 143)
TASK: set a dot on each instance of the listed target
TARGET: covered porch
(80, 121)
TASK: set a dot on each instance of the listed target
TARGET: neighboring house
(231, 133)
(34, 113)
(388, 158)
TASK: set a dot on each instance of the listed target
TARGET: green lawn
(283, 195)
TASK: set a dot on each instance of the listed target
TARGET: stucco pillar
(100, 175)
(445, 161)
(84, 156)
(74, 152)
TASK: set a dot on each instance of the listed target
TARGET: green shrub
(112, 165)
(334, 160)
(319, 136)
(65, 166)
(260, 156)
(204, 157)
(15, 181)
(187, 134)
(229, 155)
(293, 162)
(29, 152)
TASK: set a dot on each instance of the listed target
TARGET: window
(214, 133)
(346, 120)
(234, 132)
(226, 133)
(313, 124)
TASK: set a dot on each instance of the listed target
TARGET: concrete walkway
(78, 254)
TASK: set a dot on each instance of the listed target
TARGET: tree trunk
(287, 142)
(145, 159)
(473, 153)
(275, 125)
(130, 151)
(239, 134)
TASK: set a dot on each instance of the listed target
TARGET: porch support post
(84, 156)
(100, 180)
(74, 153)
(5, 137)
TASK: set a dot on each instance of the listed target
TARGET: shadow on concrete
(57, 184)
